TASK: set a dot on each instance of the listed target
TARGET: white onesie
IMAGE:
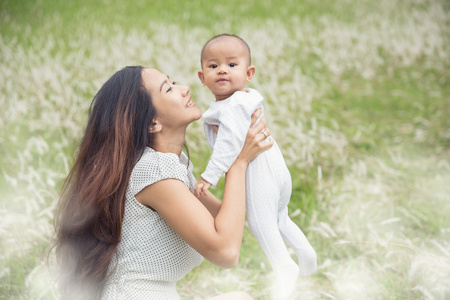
(268, 187)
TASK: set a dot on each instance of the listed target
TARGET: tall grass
(357, 96)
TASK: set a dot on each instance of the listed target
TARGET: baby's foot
(286, 278)
(307, 261)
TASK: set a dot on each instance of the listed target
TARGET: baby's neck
(223, 97)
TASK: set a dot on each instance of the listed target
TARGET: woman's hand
(255, 142)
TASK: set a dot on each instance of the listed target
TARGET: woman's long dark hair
(91, 207)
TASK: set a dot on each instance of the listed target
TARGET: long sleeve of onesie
(233, 116)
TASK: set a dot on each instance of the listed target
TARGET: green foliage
(356, 96)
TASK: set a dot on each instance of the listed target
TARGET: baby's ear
(201, 77)
(250, 72)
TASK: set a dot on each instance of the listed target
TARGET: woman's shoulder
(155, 160)
(156, 165)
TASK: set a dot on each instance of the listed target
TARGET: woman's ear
(250, 72)
(155, 127)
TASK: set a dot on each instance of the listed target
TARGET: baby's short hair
(226, 35)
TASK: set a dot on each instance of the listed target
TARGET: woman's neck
(169, 142)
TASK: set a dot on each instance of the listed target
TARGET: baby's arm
(229, 141)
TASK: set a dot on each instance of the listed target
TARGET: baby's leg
(295, 238)
(262, 215)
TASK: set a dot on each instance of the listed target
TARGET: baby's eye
(213, 66)
(232, 65)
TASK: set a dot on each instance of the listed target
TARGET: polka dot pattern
(151, 257)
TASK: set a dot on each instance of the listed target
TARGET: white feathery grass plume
(46, 87)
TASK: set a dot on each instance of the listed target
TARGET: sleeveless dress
(151, 257)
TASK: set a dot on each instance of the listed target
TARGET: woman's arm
(212, 228)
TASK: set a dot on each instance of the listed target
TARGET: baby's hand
(201, 187)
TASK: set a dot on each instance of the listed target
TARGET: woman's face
(172, 102)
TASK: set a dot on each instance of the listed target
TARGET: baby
(226, 68)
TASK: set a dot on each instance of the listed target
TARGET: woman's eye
(170, 88)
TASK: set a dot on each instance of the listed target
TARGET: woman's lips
(189, 103)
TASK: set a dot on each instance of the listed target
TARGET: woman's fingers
(255, 116)
(264, 134)
(266, 144)
(260, 126)
(254, 142)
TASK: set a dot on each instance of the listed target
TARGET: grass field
(357, 96)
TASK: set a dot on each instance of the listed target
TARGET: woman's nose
(186, 90)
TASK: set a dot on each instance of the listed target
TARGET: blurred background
(357, 97)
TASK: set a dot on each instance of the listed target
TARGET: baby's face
(225, 65)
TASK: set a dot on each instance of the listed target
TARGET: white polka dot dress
(150, 257)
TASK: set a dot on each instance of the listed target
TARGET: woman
(128, 224)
